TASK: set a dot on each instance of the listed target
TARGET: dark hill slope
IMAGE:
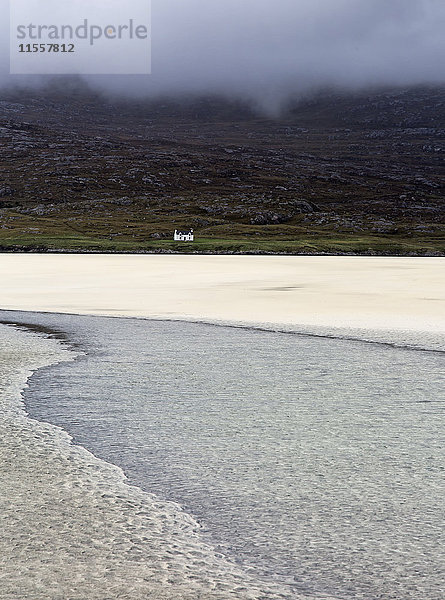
(334, 173)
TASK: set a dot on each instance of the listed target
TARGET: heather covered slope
(359, 173)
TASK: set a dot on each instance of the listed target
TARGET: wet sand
(352, 292)
(359, 292)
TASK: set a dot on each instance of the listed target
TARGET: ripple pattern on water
(314, 463)
(70, 526)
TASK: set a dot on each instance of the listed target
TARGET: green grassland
(50, 235)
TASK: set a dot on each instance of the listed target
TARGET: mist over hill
(336, 172)
(268, 52)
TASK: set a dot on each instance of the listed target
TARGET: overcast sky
(270, 48)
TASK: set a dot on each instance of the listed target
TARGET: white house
(184, 236)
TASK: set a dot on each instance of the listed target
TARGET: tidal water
(263, 464)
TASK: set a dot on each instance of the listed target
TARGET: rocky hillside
(83, 171)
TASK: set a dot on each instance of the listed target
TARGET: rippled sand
(363, 292)
(316, 462)
(71, 529)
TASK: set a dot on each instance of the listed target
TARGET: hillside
(360, 173)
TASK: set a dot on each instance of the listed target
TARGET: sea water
(261, 464)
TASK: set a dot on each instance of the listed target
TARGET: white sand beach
(358, 292)
(358, 401)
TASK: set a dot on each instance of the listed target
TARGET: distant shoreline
(40, 250)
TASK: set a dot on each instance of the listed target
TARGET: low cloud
(268, 50)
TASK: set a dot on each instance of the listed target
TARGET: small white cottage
(184, 236)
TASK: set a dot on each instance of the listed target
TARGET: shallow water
(70, 526)
(314, 464)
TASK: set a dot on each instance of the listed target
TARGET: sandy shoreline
(356, 292)
(346, 292)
